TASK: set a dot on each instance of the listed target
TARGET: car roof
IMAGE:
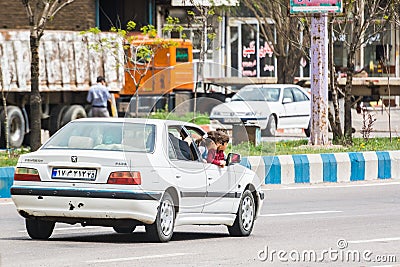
(269, 85)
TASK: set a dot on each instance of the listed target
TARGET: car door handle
(209, 178)
(178, 176)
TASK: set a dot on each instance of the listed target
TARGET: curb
(322, 168)
(6, 181)
(292, 169)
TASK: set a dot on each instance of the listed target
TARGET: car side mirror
(233, 158)
(287, 100)
(228, 99)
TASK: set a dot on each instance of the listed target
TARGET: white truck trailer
(68, 67)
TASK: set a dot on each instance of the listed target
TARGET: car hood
(242, 108)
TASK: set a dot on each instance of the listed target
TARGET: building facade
(237, 49)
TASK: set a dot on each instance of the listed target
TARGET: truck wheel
(56, 115)
(16, 127)
(73, 112)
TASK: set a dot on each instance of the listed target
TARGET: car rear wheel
(39, 229)
(245, 216)
(163, 227)
(124, 230)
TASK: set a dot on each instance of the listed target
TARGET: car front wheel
(163, 227)
(245, 216)
(39, 229)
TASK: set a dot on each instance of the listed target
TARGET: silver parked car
(271, 106)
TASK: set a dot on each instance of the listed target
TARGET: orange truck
(170, 71)
(68, 67)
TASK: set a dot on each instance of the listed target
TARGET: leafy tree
(39, 12)
(139, 50)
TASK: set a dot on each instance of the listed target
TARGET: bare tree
(39, 12)
(362, 21)
(206, 16)
(5, 115)
(288, 34)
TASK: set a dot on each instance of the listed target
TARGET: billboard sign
(316, 6)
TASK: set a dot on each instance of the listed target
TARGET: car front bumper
(86, 203)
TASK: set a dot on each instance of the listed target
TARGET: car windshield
(257, 94)
(115, 136)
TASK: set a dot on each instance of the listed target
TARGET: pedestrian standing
(98, 96)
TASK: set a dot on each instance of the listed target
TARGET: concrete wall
(79, 15)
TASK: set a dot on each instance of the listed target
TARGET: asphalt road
(295, 220)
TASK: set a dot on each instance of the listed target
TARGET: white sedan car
(127, 172)
(270, 106)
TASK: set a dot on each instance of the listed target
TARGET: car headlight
(215, 113)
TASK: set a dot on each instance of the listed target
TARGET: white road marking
(299, 187)
(301, 213)
(139, 258)
(6, 203)
(374, 240)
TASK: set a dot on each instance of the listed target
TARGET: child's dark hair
(222, 137)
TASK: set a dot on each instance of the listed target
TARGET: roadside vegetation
(266, 148)
(301, 147)
(198, 118)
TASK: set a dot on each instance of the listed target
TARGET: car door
(287, 118)
(220, 189)
(188, 169)
(219, 182)
(303, 107)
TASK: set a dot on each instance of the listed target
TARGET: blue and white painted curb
(6, 181)
(290, 169)
(321, 168)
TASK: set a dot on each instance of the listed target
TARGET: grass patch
(10, 158)
(198, 118)
(301, 147)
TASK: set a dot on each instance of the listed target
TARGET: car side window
(299, 95)
(180, 147)
(287, 93)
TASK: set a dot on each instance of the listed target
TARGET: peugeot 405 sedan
(270, 106)
(122, 173)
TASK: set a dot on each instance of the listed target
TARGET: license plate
(78, 174)
(232, 120)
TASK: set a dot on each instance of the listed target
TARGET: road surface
(330, 222)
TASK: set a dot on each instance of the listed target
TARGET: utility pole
(319, 79)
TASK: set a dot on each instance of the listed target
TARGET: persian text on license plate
(79, 174)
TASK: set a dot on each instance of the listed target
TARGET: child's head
(222, 140)
(210, 144)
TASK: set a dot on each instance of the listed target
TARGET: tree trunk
(35, 99)
(348, 130)
(286, 69)
(334, 117)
